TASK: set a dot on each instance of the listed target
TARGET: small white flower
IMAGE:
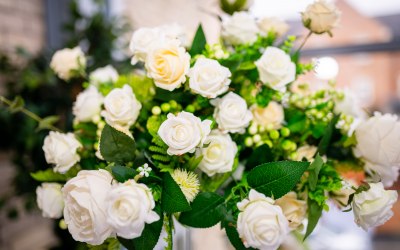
(107, 74)
(64, 62)
(144, 170)
(240, 28)
(50, 200)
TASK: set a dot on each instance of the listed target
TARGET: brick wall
(22, 24)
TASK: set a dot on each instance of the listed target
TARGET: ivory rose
(240, 28)
(87, 105)
(67, 62)
(49, 199)
(271, 116)
(293, 209)
(321, 17)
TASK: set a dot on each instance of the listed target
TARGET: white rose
(107, 74)
(377, 142)
(141, 41)
(240, 28)
(176, 31)
(121, 108)
(274, 25)
(261, 224)
(306, 151)
(50, 201)
(341, 197)
(219, 155)
(183, 132)
(321, 17)
(87, 105)
(130, 206)
(64, 62)
(349, 105)
(60, 150)
(271, 116)
(372, 208)
(167, 63)
(209, 78)
(85, 211)
(276, 69)
(294, 209)
(231, 113)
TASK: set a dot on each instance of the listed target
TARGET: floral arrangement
(222, 133)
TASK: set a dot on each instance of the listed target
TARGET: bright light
(326, 68)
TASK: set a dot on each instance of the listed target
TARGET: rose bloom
(219, 155)
(130, 207)
(121, 108)
(372, 208)
(141, 41)
(271, 116)
(293, 209)
(183, 132)
(274, 25)
(261, 224)
(85, 211)
(276, 69)
(377, 143)
(231, 113)
(64, 62)
(306, 151)
(87, 105)
(321, 17)
(240, 28)
(107, 74)
(49, 199)
(60, 150)
(167, 63)
(209, 78)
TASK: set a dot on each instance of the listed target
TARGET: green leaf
(260, 155)
(194, 162)
(47, 122)
(49, 175)
(324, 143)
(234, 238)
(248, 65)
(275, 179)
(172, 198)
(122, 174)
(314, 169)
(314, 213)
(149, 237)
(116, 146)
(17, 104)
(207, 210)
(199, 42)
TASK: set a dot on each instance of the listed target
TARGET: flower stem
(28, 113)
(169, 227)
(304, 42)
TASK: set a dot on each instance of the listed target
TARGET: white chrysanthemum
(188, 182)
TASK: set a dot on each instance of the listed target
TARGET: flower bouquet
(209, 134)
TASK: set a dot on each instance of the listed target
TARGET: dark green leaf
(122, 174)
(275, 179)
(314, 169)
(199, 42)
(260, 155)
(149, 237)
(324, 143)
(234, 238)
(314, 213)
(207, 210)
(172, 198)
(116, 146)
(48, 175)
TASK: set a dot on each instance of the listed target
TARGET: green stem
(304, 41)
(27, 112)
(169, 226)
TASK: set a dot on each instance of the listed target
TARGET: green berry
(165, 107)
(285, 132)
(156, 110)
(274, 134)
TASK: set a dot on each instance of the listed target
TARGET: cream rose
(271, 116)
(273, 25)
(60, 150)
(121, 108)
(294, 209)
(209, 78)
(167, 63)
(107, 74)
(321, 17)
(141, 41)
(372, 208)
(377, 143)
(49, 199)
(85, 211)
(231, 113)
(66, 61)
(130, 207)
(87, 105)
(276, 69)
(183, 132)
(219, 155)
(306, 151)
(240, 28)
(261, 224)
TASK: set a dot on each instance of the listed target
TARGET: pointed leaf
(199, 42)
(314, 169)
(116, 146)
(172, 198)
(275, 179)
(48, 175)
(122, 174)
(314, 213)
(326, 139)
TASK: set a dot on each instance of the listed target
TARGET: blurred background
(363, 55)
